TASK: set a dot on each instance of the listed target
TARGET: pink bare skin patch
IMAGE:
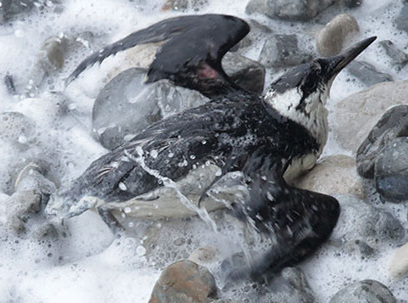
(207, 72)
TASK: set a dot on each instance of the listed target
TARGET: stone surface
(288, 10)
(333, 175)
(258, 32)
(18, 208)
(32, 177)
(184, 5)
(11, 9)
(392, 124)
(399, 262)
(399, 57)
(350, 3)
(402, 19)
(51, 57)
(204, 255)
(126, 105)
(297, 280)
(184, 282)
(367, 73)
(391, 171)
(364, 291)
(361, 111)
(363, 228)
(282, 51)
(335, 34)
(245, 72)
(9, 82)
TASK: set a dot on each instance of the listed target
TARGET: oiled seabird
(267, 139)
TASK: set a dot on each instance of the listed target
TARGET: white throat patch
(313, 115)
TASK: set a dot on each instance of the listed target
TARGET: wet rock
(391, 171)
(32, 177)
(402, 19)
(259, 32)
(9, 82)
(288, 10)
(333, 175)
(363, 248)
(17, 209)
(51, 57)
(184, 5)
(367, 73)
(47, 110)
(363, 228)
(203, 255)
(126, 105)
(297, 280)
(364, 291)
(282, 51)
(11, 9)
(398, 57)
(245, 72)
(356, 115)
(399, 262)
(351, 3)
(184, 282)
(16, 129)
(392, 124)
(335, 34)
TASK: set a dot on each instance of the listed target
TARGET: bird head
(301, 93)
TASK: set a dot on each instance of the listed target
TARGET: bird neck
(312, 116)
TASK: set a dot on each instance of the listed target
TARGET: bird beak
(337, 63)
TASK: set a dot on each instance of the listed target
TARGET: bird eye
(311, 80)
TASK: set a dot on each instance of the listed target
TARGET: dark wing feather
(299, 221)
(189, 40)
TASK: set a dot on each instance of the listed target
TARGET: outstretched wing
(296, 220)
(188, 42)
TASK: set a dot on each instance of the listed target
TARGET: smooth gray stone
(367, 73)
(247, 73)
(282, 51)
(11, 9)
(391, 171)
(288, 9)
(300, 286)
(362, 222)
(364, 291)
(398, 57)
(124, 106)
(351, 3)
(333, 36)
(392, 124)
(402, 19)
(184, 5)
